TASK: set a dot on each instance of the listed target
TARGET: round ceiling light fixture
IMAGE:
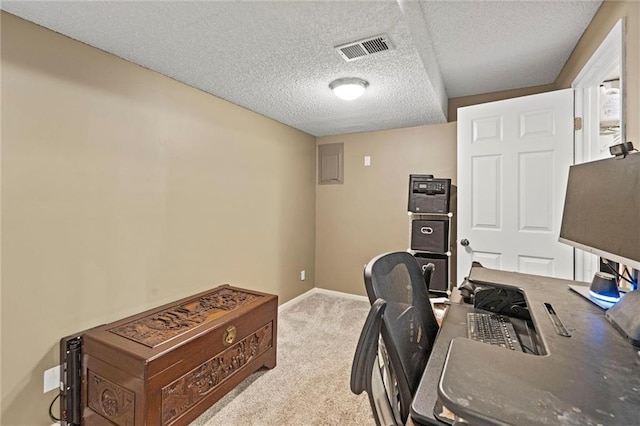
(348, 88)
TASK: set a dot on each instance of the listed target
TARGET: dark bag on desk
(503, 301)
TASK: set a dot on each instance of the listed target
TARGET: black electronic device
(492, 329)
(604, 286)
(622, 149)
(71, 380)
(428, 194)
(602, 209)
(601, 216)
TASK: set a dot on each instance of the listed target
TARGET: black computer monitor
(602, 216)
(602, 209)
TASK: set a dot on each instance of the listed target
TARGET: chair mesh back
(394, 279)
(409, 325)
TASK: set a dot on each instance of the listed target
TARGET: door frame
(607, 57)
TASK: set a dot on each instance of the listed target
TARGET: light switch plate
(51, 379)
(367, 160)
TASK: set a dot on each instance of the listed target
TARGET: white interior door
(513, 162)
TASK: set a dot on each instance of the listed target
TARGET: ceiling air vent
(368, 46)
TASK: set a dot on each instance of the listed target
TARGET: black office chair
(366, 374)
(409, 326)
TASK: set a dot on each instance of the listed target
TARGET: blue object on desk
(585, 292)
(604, 286)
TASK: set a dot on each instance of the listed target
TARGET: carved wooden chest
(168, 365)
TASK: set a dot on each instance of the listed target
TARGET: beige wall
(122, 190)
(455, 103)
(367, 215)
(604, 20)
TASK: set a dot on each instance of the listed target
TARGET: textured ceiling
(277, 58)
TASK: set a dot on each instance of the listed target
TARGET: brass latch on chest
(229, 335)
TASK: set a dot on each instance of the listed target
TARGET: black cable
(51, 416)
(611, 268)
(634, 281)
(527, 349)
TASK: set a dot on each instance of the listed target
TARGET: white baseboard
(316, 290)
(341, 294)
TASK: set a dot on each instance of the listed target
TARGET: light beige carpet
(317, 336)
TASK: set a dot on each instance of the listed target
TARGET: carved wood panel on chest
(168, 365)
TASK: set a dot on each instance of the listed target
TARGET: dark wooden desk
(590, 378)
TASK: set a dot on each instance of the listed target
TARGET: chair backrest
(365, 370)
(409, 326)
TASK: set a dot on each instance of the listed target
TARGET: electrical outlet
(367, 160)
(51, 379)
(302, 275)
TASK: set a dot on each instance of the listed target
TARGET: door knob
(464, 242)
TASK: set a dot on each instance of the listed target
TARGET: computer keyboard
(493, 329)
